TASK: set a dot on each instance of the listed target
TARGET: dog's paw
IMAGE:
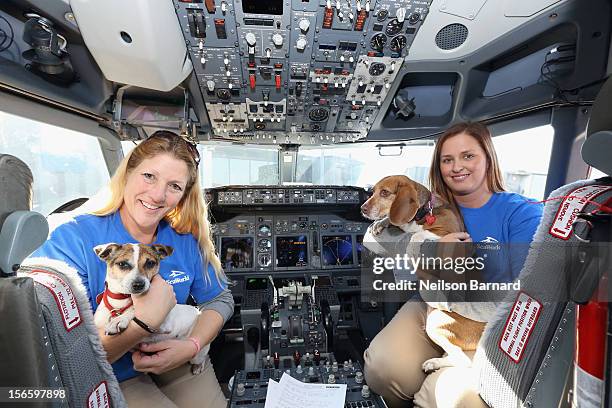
(196, 369)
(112, 328)
(434, 364)
(379, 226)
(116, 325)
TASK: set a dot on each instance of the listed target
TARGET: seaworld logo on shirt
(178, 277)
(488, 243)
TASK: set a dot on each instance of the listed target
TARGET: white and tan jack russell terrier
(129, 270)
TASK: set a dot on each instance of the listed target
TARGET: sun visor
(598, 144)
(136, 42)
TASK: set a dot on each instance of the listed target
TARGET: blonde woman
(155, 198)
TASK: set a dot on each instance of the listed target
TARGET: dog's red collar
(103, 297)
(426, 211)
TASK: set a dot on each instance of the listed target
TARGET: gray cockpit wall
(522, 64)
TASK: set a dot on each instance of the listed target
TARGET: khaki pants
(393, 366)
(176, 388)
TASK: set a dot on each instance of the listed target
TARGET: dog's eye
(124, 265)
(150, 264)
(384, 193)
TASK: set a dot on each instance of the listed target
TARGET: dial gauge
(377, 68)
(394, 27)
(264, 230)
(398, 43)
(264, 245)
(382, 15)
(318, 114)
(378, 42)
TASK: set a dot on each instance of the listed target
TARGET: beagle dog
(129, 270)
(402, 202)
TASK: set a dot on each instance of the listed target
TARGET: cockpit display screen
(292, 251)
(337, 250)
(236, 253)
(263, 7)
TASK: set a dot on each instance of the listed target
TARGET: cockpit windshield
(228, 164)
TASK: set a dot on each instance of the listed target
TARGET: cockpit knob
(400, 14)
(365, 391)
(277, 39)
(304, 25)
(251, 39)
(210, 85)
(240, 390)
(301, 43)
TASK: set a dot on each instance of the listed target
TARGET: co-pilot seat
(525, 356)
(47, 332)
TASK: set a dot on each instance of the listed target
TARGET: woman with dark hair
(465, 173)
(155, 198)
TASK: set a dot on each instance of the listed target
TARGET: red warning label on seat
(98, 398)
(64, 297)
(520, 324)
(573, 203)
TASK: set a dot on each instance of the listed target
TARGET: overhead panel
(297, 71)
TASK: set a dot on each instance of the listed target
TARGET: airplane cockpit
(297, 109)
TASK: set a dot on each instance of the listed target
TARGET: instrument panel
(297, 71)
(265, 229)
(291, 242)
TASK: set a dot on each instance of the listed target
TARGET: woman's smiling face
(463, 165)
(153, 189)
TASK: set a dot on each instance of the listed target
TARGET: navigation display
(236, 253)
(337, 250)
(292, 251)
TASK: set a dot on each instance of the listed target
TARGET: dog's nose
(138, 286)
(365, 210)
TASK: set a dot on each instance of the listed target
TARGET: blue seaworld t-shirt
(73, 243)
(502, 230)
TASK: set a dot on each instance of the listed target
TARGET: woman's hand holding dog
(162, 356)
(153, 307)
(456, 237)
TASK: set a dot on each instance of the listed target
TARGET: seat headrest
(598, 144)
(21, 230)
(15, 186)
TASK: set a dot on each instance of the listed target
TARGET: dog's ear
(423, 194)
(405, 206)
(163, 251)
(104, 251)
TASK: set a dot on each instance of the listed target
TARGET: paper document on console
(291, 393)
